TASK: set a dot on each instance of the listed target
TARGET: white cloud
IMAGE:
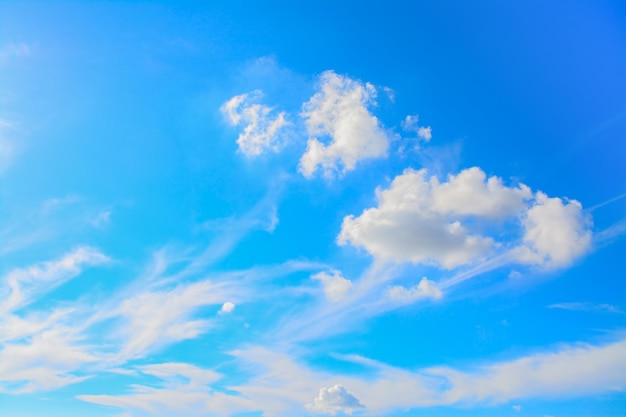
(335, 286)
(410, 124)
(262, 130)
(172, 370)
(517, 408)
(571, 370)
(23, 286)
(423, 220)
(555, 233)
(472, 193)
(39, 352)
(586, 306)
(425, 289)
(13, 327)
(332, 400)
(419, 221)
(183, 392)
(159, 318)
(227, 307)
(340, 111)
(44, 362)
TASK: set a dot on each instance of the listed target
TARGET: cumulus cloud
(340, 111)
(556, 232)
(410, 124)
(332, 400)
(262, 128)
(472, 193)
(425, 289)
(418, 220)
(422, 220)
(227, 307)
(335, 285)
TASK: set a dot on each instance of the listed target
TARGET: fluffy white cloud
(423, 220)
(472, 193)
(262, 130)
(410, 124)
(340, 111)
(425, 289)
(555, 232)
(335, 286)
(332, 400)
(418, 220)
(227, 307)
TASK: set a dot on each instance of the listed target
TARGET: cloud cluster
(422, 220)
(262, 130)
(342, 130)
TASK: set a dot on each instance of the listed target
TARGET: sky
(238, 208)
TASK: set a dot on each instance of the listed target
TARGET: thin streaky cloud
(606, 202)
(587, 306)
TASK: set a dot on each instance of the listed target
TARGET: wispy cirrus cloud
(587, 306)
(282, 385)
(41, 350)
(183, 390)
(24, 285)
(154, 319)
(46, 361)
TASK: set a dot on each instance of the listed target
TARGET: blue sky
(279, 209)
